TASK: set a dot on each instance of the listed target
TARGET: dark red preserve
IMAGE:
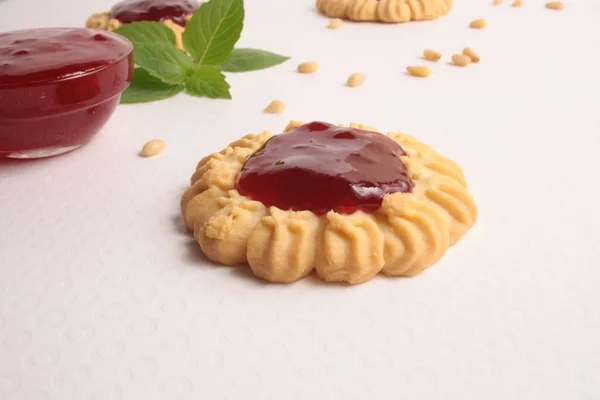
(58, 87)
(321, 167)
(153, 10)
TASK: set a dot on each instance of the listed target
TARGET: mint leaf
(207, 81)
(145, 88)
(146, 32)
(213, 30)
(243, 60)
(164, 61)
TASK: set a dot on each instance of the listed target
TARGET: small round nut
(471, 54)
(275, 107)
(356, 79)
(517, 3)
(478, 23)
(153, 148)
(335, 23)
(497, 2)
(555, 5)
(308, 67)
(418, 71)
(431, 55)
(460, 60)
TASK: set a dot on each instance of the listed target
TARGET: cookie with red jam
(173, 13)
(391, 11)
(345, 202)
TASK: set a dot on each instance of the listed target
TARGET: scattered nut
(335, 23)
(478, 24)
(497, 2)
(275, 107)
(460, 60)
(555, 5)
(308, 67)
(153, 148)
(418, 71)
(471, 54)
(356, 79)
(517, 3)
(431, 55)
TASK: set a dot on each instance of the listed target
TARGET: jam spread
(153, 10)
(59, 86)
(42, 55)
(320, 167)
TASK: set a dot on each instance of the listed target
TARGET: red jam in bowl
(321, 167)
(58, 87)
(153, 10)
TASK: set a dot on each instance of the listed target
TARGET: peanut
(555, 5)
(471, 54)
(497, 2)
(478, 24)
(356, 79)
(460, 60)
(418, 71)
(517, 3)
(431, 55)
(335, 23)
(153, 148)
(275, 107)
(308, 67)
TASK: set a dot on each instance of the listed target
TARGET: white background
(103, 296)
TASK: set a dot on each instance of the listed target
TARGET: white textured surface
(103, 297)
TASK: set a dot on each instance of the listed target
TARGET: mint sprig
(242, 60)
(145, 88)
(163, 70)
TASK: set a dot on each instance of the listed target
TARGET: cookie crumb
(497, 2)
(431, 55)
(153, 148)
(293, 125)
(113, 24)
(555, 5)
(308, 67)
(461, 60)
(335, 23)
(517, 3)
(418, 71)
(356, 79)
(275, 107)
(478, 24)
(471, 54)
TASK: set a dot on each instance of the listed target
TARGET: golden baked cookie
(392, 11)
(346, 202)
(172, 13)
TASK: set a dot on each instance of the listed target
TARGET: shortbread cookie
(173, 13)
(393, 11)
(345, 202)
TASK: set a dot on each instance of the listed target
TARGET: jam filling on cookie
(153, 10)
(320, 167)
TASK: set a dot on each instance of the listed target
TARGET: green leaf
(146, 32)
(207, 81)
(242, 60)
(213, 30)
(164, 61)
(145, 88)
